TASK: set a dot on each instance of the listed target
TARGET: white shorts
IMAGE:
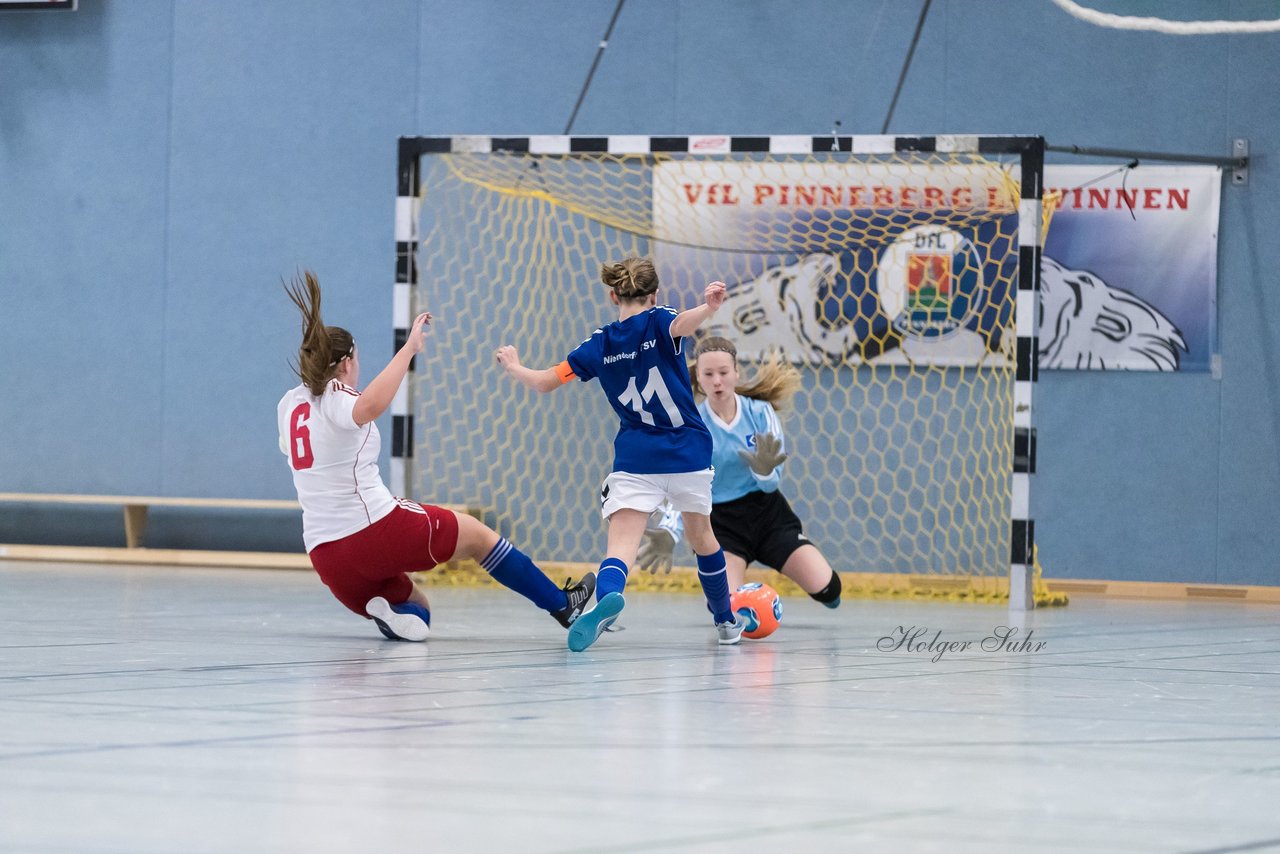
(688, 492)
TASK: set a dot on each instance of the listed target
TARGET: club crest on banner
(929, 281)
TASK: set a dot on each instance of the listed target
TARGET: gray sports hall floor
(163, 710)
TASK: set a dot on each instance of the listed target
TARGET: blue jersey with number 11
(645, 378)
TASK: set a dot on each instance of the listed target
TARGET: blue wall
(163, 164)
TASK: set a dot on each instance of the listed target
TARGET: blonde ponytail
(631, 278)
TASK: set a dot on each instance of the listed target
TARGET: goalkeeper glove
(767, 455)
(656, 551)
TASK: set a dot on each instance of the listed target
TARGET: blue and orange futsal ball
(762, 607)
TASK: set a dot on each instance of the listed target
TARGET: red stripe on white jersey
(337, 386)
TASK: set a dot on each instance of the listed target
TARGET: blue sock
(611, 577)
(715, 586)
(512, 568)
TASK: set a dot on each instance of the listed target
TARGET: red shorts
(373, 562)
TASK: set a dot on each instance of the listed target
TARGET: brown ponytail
(775, 382)
(632, 279)
(323, 347)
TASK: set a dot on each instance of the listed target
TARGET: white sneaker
(406, 622)
(731, 633)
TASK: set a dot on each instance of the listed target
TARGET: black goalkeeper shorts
(758, 527)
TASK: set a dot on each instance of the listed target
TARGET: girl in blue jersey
(662, 453)
(749, 515)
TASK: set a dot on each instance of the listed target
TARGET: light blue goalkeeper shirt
(734, 478)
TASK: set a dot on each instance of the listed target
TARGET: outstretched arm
(688, 321)
(542, 381)
(376, 397)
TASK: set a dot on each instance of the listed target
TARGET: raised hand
(507, 357)
(715, 295)
(414, 340)
(656, 551)
(767, 455)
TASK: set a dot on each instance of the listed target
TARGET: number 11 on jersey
(655, 387)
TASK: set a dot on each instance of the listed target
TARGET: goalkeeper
(750, 517)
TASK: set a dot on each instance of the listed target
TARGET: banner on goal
(844, 262)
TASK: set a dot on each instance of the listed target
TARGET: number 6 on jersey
(300, 438)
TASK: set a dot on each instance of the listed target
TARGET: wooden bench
(135, 509)
(135, 506)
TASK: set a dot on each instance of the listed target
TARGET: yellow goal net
(888, 274)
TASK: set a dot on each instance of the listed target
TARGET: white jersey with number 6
(334, 463)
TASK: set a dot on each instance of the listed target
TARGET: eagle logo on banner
(927, 307)
(1086, 323)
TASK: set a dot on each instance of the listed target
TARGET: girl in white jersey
(749, 514)
(662, 451)
(362, 540)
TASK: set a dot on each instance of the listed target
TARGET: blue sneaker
(407, 621)
(587, 628)
(833, 604)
